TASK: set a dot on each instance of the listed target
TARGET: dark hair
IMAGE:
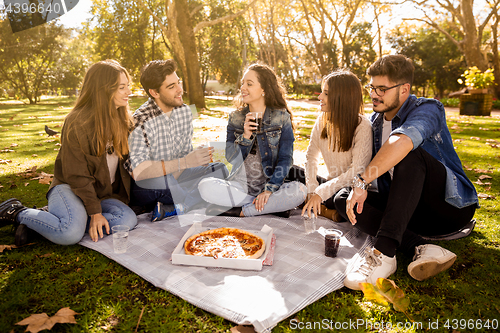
(95, 110)
(274, 90)
(345, 104)
(397, 67)
(154, 73)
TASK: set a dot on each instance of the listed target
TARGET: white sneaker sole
(422, 270)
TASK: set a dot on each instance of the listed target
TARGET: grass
(45, 277)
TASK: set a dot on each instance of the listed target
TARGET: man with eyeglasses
(414, 187)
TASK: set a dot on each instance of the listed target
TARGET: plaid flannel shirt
(155, 136)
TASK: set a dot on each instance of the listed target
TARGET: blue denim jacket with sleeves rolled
(423, 120)
(275, 144)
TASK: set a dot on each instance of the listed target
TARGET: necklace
(109, 148)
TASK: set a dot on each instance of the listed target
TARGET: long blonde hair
(345, 105)
(96, 110)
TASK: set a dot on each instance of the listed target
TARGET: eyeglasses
(381, 90)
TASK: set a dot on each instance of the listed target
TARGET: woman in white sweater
(343, 136)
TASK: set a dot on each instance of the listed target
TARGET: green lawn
(44, 277)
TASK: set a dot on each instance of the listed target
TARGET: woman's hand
(313, 204)
(97, 222)
(249, 126)
(261, 200)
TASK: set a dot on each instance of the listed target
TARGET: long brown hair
(95, 111)
(275, 92)
(345, 104)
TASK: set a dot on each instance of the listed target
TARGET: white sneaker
(369, 268)
(430, 260)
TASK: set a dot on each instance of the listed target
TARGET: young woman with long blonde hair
(91, 188)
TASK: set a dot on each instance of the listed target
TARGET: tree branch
(206, 24)
(437, 27)
(196, 9)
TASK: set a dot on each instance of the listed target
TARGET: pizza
(225, 243)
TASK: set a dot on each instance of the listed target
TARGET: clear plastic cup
(309, 223)
(120, 238)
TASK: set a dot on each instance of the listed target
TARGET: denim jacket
(275, 144)
(423, 120)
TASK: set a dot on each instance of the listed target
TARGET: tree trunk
(188, 40)
(496, 59)
(471, 42)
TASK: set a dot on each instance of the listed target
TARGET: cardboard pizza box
(179, 256)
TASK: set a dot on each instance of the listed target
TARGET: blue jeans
(169, 190)
(232, 194)
(67, 219)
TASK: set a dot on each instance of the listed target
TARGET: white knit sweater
(342, 166)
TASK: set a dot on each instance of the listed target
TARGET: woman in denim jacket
(261, 155)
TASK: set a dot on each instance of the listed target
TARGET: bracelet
(359, 176)
(359, 182)
(163, 167)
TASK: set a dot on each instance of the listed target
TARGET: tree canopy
(303, 40)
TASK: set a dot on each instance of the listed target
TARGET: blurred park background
(212, 40)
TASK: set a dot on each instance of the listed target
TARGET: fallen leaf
(14, 144)
(44, 178)
(34, 155)
(41, 321)
(242, 329)
(482, 171)
(485, 196)
(5, 161)
(7, 247)
(475, 138)
(26, 184)
(484, 177)
(385, 291)
(478, 182)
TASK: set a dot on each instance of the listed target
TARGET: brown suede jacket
(78, 165)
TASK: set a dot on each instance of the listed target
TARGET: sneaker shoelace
(418, 252)
(371, 261)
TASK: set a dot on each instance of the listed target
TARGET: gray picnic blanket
(300, 273)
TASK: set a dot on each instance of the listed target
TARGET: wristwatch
(359, 182)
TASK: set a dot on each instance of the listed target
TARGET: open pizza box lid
(179, 256)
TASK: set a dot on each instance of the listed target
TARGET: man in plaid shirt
(162, 161)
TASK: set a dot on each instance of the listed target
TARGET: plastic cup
(258, 120)
(120, 238)
(309, 223)
(332, 242)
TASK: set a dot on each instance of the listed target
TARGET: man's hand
(313, 204)
(97, 222)
(261, 200)
(198, 157)
(357, 196)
